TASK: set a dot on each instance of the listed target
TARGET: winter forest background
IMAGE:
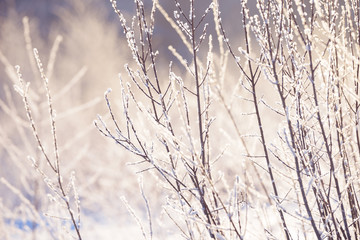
(179, 119)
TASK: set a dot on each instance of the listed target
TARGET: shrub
(277, 116)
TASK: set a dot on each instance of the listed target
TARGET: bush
(261, 136)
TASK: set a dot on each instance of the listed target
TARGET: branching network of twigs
(307, 171)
